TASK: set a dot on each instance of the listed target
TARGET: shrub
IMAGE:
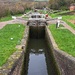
(4, 10)
(16, 9)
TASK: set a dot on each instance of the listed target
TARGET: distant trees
(4, 11)
(60, 4)
(12, 8)
(53, 4)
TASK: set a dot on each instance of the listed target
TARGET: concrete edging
(14, 63)
(65, 62)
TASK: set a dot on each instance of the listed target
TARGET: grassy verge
(42, 11)
(10, 36)
(53, 15)
(7, 18)
(65, 18)
(69, 23)
(26, 11)
(64, 39)
(25, 17)
(17, 15)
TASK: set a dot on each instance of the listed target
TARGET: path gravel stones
(68, 27)
(17, 20)
(23, 21)
(54, 21)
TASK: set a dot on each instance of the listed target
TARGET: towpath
(53, 21)
(23, 21)
(17, 20)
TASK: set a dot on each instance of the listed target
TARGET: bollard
(57, 25)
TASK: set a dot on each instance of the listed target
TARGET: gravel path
(2, 24)
(22, 21)
(18, 20)
(68, 27)
(53, 21)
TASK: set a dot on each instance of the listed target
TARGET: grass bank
(65, 17)
(64, 39)
(10, 36)
(9, 17)
(26, 11)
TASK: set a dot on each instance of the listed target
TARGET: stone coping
(6, 68)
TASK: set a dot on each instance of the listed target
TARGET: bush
(63, 8)
(11, 9)
(4, 11)
(16, 9)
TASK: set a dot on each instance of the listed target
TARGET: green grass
(25, 17)
(42, 11)
(18, 15)
(7, 46)
(64, 39)
(7, 18)
(69, 17)
(69, 23)
(63, 14)
(26, 11)
(65, 18)
(54, 15)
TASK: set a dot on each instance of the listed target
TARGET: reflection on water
(37, 64)
(39, 59)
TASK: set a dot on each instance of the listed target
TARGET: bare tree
(57, 4)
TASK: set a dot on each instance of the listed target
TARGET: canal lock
(39, 58)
